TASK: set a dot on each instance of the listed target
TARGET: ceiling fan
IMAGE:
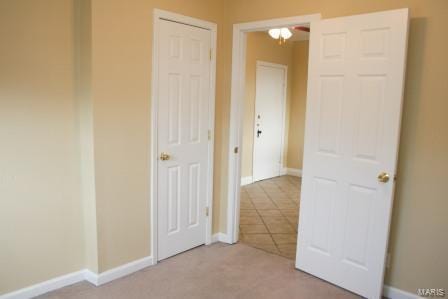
(282, 34)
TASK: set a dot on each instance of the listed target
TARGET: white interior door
(269, 120)
(183, 101)
(353, 116)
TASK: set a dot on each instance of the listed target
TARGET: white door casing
(269, 120)
(183, 134)
(355, 91)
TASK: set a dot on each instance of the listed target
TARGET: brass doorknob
(383, 177)
(164, 156)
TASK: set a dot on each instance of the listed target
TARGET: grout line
(273, 181)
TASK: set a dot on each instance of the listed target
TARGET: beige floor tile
(290, 212)
(283, 205)
(245, 205)
(278, 195)
(277, 201)
(280, 228)
(253, 229)
(254, 219)
(260, 199)
(264, 205)
(257, 239)
(293, 220)
(270, 213)
(274, 219)
(281, 239)
(248, 212)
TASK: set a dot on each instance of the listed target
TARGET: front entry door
(270, 96)
(183, 105)
(355, 91)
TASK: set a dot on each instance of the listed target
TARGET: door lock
(258, 133)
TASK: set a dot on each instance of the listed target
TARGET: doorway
(274, 121)
(184, 61)
(353, 115)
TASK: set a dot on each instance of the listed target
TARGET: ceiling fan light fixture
(285, 33)
(275, 33)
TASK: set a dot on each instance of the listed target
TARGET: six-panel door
(355, 87)
(183, 99)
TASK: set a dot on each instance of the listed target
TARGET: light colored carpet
(216, 271)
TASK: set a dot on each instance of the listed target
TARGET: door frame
(285, 88)
(158, 16)
(237, 108)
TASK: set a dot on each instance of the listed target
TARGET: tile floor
(269, 215)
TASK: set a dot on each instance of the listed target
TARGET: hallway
(269, 215)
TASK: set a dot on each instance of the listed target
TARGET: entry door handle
(258, 133)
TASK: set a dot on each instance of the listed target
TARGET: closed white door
(355, 91)
(183, 103)
(269, 120)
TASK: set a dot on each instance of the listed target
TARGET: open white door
(183, 105)
(269, 120)
(355, 90)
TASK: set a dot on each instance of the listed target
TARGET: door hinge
(235, 150)
(209, 135)
(211, 54)
(207, 211)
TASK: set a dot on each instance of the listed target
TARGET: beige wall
(121, 93)
(41, 218)
(261, 47)
(41, 224)
(298, 104)
(75, 134)
(418, 244)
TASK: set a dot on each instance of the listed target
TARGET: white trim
(394, 293)
(166, 15)
(293, 171)
(285, 89)
(246, 180)
(118, 272)
(129, 268)
(75, 277)
(236, 108)
(221, 237)
(46, 286)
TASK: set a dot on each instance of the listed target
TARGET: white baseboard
(129, 268)
(221, 237)
(394, 293)
(118, 272)
(46, 286)
(75, 277)
(293, 171)
(246, 180)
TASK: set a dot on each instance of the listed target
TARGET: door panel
(183, 99)
(269, 120)
(355, 86)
